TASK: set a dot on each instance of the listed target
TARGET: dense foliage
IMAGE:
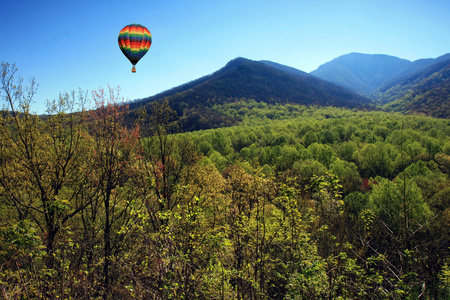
(297, 202)
(424, 93)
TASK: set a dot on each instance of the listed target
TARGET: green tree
(40, 161)
(381, 131)
(287, 157)
(166, 160)
(21, 259)
(310, 138)
(402, 214)
(309, 168)
(220, 142)
(348, 175)
(322, 153)
(43, 170)
(114, 147)
(373, 160)
(249, 194)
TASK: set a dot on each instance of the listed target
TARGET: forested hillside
(394, 84)
(297, 202)
(243, 78)
(418, 87)
(362, 73)
(427, 92)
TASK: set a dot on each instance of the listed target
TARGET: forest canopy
(295, 202)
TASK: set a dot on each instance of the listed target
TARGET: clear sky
(68, 45)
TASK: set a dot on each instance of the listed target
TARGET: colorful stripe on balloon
(134, 41)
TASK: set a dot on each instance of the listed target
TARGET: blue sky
(68, 45)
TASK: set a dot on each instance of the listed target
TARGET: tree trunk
(107, 246)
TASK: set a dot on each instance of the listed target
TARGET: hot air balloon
(134, 41)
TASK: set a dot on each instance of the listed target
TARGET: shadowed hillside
(262, 81)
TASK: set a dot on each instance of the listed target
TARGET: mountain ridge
(360, 72)
(421, 86)
(417, 66)
(367, 74)
(426, 92)
(398, 84)
(242, 78)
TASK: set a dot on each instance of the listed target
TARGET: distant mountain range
(366, 73)
(355, 80)
(420, 86)
(426, 92)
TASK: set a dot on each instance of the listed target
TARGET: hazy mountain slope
(414, 70)
(425, 92)
(362, 73)
(287, 69)
(420, 86)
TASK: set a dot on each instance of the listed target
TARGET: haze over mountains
(366, 73)
(421, 86)
(355, 80)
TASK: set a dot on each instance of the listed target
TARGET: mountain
(426, 92)
(419, 86)
(247, 79)
(367, 73)
(417, 69)
(286, 69)
(362, 73)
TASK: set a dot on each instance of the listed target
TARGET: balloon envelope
(134, 41)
